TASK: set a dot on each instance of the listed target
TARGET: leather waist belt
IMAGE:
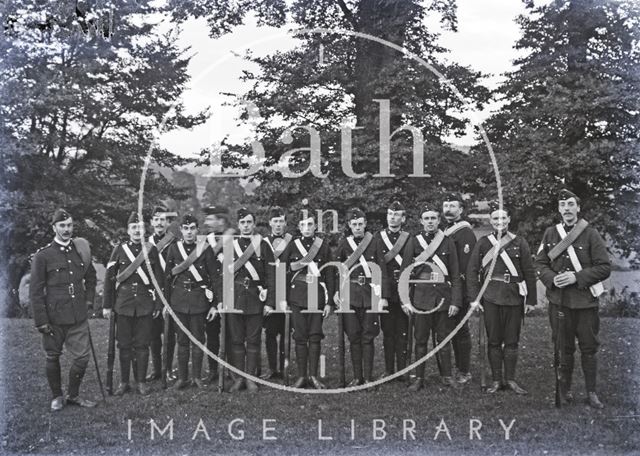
(247, 282)
(361, 280)
(506, 278)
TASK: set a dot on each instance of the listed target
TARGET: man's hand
(453, 311)
(384, 304)
(211, 314)
(156, 313)
(267, 310)
(336, 299)
(528, 308)
(408, 309)
(106, 313)
(326, 311)
(476, 306)
(45, 329)
(565, 279)
(262, 295)
(284, 306)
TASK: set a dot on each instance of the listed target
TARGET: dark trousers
(503, 325)
(194, 323)
(461, 342)
(157, 330)
(133, 334)
(245, 329)
(437, 323)
(584, 325)
(395, 327)
(75, 338)
(361, 327)
(307, 333)
(274, 327)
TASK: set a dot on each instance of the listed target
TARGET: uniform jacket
(426, 296)
(359, 292)
(465, 241)
(596, 267)
(132, 297)
(245, 288)
(62, 285)
(499, 292)
(390, 270)
(296, 283)
(186, 294)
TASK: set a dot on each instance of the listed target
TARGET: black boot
(389, 355)
(314, 360)
(418, 383)
(196, 366)
(54, 376)
(356, 361)
(510, 362)
(156, 359)
(589, 368)
(125, 371)
(495, 362)
(143, 361)
(238, 361)
(76, 372)
(253, 359)
(367, 361)
(302, 354)
(401, 356)
(183, 367)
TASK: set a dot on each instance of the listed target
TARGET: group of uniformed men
(446, 270)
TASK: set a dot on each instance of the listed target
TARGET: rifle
(287, 347)
(165, 348)
(558, 358)
(341, 350)
(95, 362)
(111, 352)
(223, 351)
(409, 340)
(482, 343)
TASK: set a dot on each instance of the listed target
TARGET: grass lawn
(27, 426)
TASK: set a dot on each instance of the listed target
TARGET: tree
(294, 89)
(571, 118)
(85, 86)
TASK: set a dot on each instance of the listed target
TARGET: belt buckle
(309, 278)
(72, 290)
(362, 280)
(507, 278)
(433, 276)
(396, 275)
(187, 285)
(134, 287)
(246, 282)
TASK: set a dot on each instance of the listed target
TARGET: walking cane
(223, 351)
(287, 347)
(95, 361)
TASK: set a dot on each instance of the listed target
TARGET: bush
(625, 303)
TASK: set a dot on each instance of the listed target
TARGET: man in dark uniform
(391, 244)
(460, 232)
(304, 257)
(361, 326)
(253, 290)
(129, 292)
(434, 296)
(572, 262)
(63, 285)
(161, 238)
(511, 290)
(217, 223)
(274, 322)
(191, 271)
